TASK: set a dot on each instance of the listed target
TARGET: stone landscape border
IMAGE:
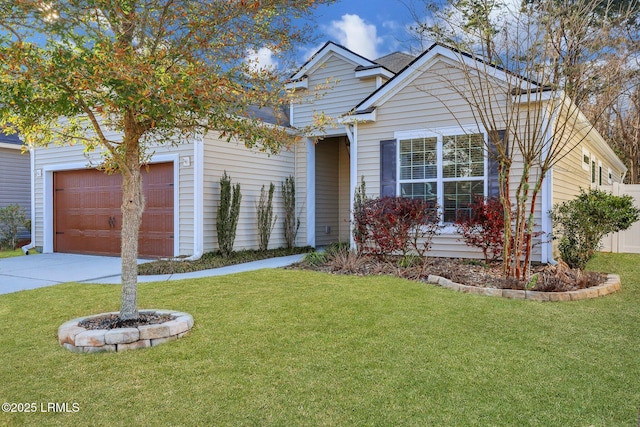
(77, 339)
(611, 285)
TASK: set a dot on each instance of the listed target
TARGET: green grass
(300, 348)
(10, 253)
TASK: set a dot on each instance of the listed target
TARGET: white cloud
(263, 58)
(355, 34)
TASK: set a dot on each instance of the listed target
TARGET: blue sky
(372, 28)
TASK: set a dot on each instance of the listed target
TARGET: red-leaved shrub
(484, 227)
(395, 225)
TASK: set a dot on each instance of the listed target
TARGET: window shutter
(493, 179)
(388, 168)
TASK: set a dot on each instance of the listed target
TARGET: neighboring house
(15, 176)
(397, 115)
(384, 119)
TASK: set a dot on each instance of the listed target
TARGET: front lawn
(301, 348)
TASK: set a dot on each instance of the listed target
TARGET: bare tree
(524, 73)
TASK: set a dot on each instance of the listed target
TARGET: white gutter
(11, 146)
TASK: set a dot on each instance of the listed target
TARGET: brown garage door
(88, 219)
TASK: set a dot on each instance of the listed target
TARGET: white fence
(625, 241)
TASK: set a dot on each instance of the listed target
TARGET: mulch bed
(547, 278)
(113, 321)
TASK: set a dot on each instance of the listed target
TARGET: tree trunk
(132, 208)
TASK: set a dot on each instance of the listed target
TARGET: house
(15, 176)
(382, 117)
(77, 208)
(401, 122)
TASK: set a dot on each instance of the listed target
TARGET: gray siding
(333, 91)
(430, 101)
(15, 181)
(251, 169)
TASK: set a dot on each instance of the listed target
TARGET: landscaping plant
(266, 221)
(395, 225)
(483, 227)
(291, 223)
(228, 214)
(585, 220)
(12, 218)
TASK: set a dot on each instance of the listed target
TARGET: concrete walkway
(37, 271)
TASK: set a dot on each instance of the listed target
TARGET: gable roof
(414, 68)
(326, 49)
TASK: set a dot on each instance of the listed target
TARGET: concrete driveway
(37, 271)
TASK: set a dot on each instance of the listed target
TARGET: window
(593, 171)
(586, 159)
(599, 173)
(610, 180)
(453, 181)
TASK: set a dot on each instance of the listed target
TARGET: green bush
(228, 214)
(266, 221)
(291, 223)
(12, 219)
(585, 220)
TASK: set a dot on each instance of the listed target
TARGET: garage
(87, 217)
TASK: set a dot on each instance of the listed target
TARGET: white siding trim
(311, 193)
(11, 146)
(420, 65)
(353, 178)
(32, 154)
(320, 56)
(546, 198)
(374, 72)
(302, 83)
(198, 195)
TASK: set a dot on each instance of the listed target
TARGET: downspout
(198, 199)
(31, 245)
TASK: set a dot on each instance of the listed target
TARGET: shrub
(266, 221)
(585, 220)
(395, 225)
(484, 227)
(228, 214)
(359, 200)
(12, 218)
(291, 223)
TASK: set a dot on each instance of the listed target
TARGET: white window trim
(440, 133)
